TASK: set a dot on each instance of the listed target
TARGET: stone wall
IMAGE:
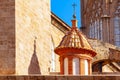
(105, 55)
(56, 36)
(101, 48)
(7, 36)
(37, 77)
(33, 37)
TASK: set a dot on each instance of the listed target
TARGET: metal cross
(74, 15)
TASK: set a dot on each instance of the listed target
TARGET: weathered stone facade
(100, 20)
(7, 37)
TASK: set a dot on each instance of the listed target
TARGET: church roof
(75, 39)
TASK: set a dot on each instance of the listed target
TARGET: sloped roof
(76, 40)
(60, 22)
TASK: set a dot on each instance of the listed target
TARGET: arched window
(98, 29)
(117, 30)
(95, 29)
(76, 66)
(66, 66)
(86, 67)
(90, 31)
(100, 24)
(52, 62)
(117, 26)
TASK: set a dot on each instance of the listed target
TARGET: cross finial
(74, 14)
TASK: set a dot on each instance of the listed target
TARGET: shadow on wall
(34, 67)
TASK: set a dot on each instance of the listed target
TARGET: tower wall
(33, 37)
(7, 36)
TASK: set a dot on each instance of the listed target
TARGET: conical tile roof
(76, 40)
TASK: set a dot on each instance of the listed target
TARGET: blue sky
(64, 10)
